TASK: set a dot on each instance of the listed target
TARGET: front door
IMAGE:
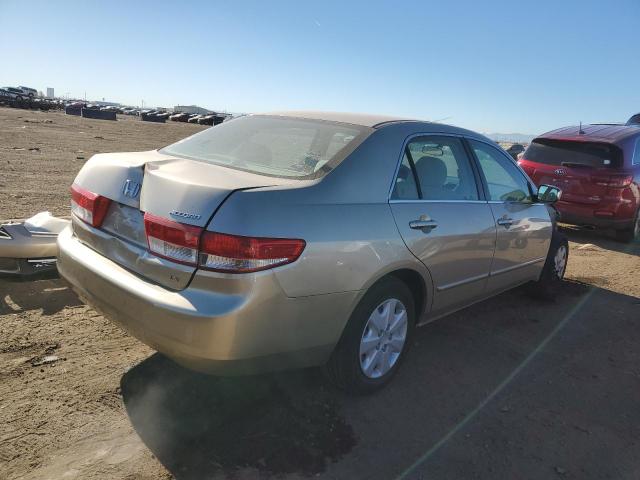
(442, 219)
(524, 228)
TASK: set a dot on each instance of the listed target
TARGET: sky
(491, 66)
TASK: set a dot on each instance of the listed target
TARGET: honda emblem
(131, 189)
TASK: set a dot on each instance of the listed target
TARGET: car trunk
(181, 190)
(582, 170)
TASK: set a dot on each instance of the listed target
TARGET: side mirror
(548, 194)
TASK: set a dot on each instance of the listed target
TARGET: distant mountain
(510, 137)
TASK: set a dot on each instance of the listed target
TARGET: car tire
(630, 234)
(555, 266)
(368, 355)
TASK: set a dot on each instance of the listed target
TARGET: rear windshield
(274, 146)
(560, 152)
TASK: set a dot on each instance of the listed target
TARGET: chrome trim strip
(515, 267)
(499, 202)
(462, 282)
(437, 201)
(485, 275)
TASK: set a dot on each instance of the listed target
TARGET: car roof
(362, 119)
(607, 133)
(411, 126)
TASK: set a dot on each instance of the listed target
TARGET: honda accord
(301, 239)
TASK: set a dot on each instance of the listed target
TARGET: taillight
(528, 170)
(172, 240)
(219, 252)
(613, 181)
(88, 206)
(232, 253)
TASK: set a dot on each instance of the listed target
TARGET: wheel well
(414, 281)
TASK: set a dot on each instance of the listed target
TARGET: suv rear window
(274, 146)
(561, 152)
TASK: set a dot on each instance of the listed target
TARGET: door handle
(505, 222)
(425, 225)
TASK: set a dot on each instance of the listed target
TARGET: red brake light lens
(219, 252)
(232, 253)
(89, 207)
(172, 240)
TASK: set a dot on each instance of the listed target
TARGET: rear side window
(405, 187)
(442, 168)
(560, 152)
(275, 146)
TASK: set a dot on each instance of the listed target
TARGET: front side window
(506, 183)
(274, 146)
(442, 168)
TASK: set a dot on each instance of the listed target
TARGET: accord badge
(176, 213)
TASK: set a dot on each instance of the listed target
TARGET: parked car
(206, 119)
(597, 167)
(634, 120)
(28, 91)
(195, 118)
(515, 150)
(15, 93)
(298, 239)
(4, 95)
(179, 117)
(111, 108)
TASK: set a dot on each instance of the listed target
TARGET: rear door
(579, 169)
(523, 228)
(443, 219)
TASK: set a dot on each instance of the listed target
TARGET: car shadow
(196, 424)
(600, 238)
(50, 295)
(459, 377)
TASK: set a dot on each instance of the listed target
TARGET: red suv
(597, 167)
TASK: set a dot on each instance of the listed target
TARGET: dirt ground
(510, 388)
(41, 152)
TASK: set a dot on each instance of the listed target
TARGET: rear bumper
(221, 323)
(589, 215)
(28, 249)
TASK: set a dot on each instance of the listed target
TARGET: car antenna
(580, 131)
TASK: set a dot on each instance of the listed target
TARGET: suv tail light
(232, 253)
(89, 207)
(219, 252)
(613, 181)
(529, 170)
